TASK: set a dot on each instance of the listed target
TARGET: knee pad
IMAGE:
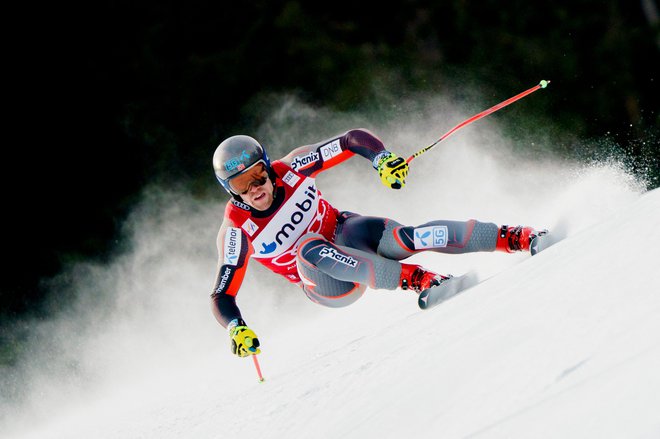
(309, 240)
(321, 287)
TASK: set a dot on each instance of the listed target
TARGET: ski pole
(256, 364)
(542, 84)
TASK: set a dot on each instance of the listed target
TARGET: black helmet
(236, 155)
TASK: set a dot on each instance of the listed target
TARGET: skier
(278, 216)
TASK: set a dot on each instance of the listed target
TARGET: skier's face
(254, 187)
(260, 197)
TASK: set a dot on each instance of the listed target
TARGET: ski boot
(513, 239)
(418, 279)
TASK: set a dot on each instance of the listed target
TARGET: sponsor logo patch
(290, 222)
(250, 227)
(330, 150)
(223, 280)
(290, 178)
(237, 163)
(303, 161)
(232, 245)
(240, 205)
(431, 237)
(329, 252)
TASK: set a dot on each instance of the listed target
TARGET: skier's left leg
(395, 241)
(453, 237)
(392, 240)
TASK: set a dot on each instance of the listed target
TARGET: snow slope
(564, 344)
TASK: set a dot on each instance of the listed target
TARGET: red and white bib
(275, 235)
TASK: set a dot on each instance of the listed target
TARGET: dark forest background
(108, 96)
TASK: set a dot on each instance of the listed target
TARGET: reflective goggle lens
(255, 176)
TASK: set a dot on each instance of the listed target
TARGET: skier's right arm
(234, 250)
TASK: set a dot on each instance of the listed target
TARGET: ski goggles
(254, 176)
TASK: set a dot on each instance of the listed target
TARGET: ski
(540, 242)
(447, 289)
(454, 285)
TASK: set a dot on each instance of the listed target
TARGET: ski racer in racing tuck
(279, 217)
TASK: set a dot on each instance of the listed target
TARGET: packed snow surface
(565, 344)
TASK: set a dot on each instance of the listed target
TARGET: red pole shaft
(476, 117)
(256, 364)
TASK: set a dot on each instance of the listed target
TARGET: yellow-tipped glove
(244, 341)
(392, 169)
